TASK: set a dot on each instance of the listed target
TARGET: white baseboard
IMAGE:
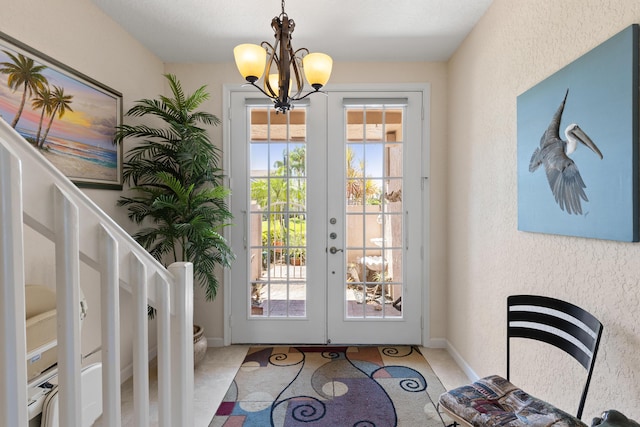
(127, 372)
(461, 362)
(437, 343)
(215, 342)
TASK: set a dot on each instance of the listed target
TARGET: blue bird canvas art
(562, 173)
(564, 188)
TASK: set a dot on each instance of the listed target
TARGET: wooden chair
(494, 401)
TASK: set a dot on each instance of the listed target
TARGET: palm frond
(144, 131)
(205, 118)
(177, 183)
(196, 99)
(153, 107)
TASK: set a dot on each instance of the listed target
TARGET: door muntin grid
(374, 226)
(277, 224)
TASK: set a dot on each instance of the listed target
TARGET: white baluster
(13, 366)
(163, 315)
(110, 302)
(140, 342)
(68, 307)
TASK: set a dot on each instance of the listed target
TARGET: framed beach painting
(69, 117)
(578, 146)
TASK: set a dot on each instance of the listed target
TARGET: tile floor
(214, 374)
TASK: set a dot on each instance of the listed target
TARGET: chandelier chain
(282, 3)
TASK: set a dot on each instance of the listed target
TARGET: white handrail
(82, 232)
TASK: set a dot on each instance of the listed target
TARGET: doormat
(332, 386)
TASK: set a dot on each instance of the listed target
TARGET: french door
(327, 204)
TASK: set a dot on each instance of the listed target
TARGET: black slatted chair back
(559, 323)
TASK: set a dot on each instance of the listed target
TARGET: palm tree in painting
(60, 105)
(23, 73)
(42, 101)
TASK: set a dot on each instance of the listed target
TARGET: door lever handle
(334, 250)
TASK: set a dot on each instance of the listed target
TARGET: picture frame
(591, 191)
(67, 116)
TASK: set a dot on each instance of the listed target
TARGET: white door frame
(425, 88)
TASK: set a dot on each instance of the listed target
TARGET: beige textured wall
(517, 44)
(78, 34)
(90, 42)
(216, 75)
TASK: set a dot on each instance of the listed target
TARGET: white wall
(516, 45)
(192, 76)
(78, 34)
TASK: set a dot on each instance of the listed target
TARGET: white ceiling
(205, 31)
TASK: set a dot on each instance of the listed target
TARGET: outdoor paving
(288, 298)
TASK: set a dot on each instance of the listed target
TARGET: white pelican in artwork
(562, 173)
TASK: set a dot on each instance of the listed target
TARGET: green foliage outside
(286, 187)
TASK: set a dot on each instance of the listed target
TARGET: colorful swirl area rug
(332, 386)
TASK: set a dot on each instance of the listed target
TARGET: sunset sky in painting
(92, 120)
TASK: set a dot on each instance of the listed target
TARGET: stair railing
(34, 193)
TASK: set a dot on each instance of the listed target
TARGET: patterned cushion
(494, 401)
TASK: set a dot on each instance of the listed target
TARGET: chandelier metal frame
(287, 62)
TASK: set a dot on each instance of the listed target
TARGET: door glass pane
(277, 225)
(374, 212)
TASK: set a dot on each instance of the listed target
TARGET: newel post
(182, 382)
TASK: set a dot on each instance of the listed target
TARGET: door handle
(334, 250)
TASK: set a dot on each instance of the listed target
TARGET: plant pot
(199, 345)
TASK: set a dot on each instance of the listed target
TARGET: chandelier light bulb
(317, 69)
(273, 82)
(250, 60)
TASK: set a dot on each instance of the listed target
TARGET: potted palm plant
(176, 181)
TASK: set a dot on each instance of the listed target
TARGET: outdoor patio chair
(494, 401)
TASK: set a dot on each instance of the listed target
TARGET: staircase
(82, 232)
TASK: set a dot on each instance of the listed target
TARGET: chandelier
(251, 60)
